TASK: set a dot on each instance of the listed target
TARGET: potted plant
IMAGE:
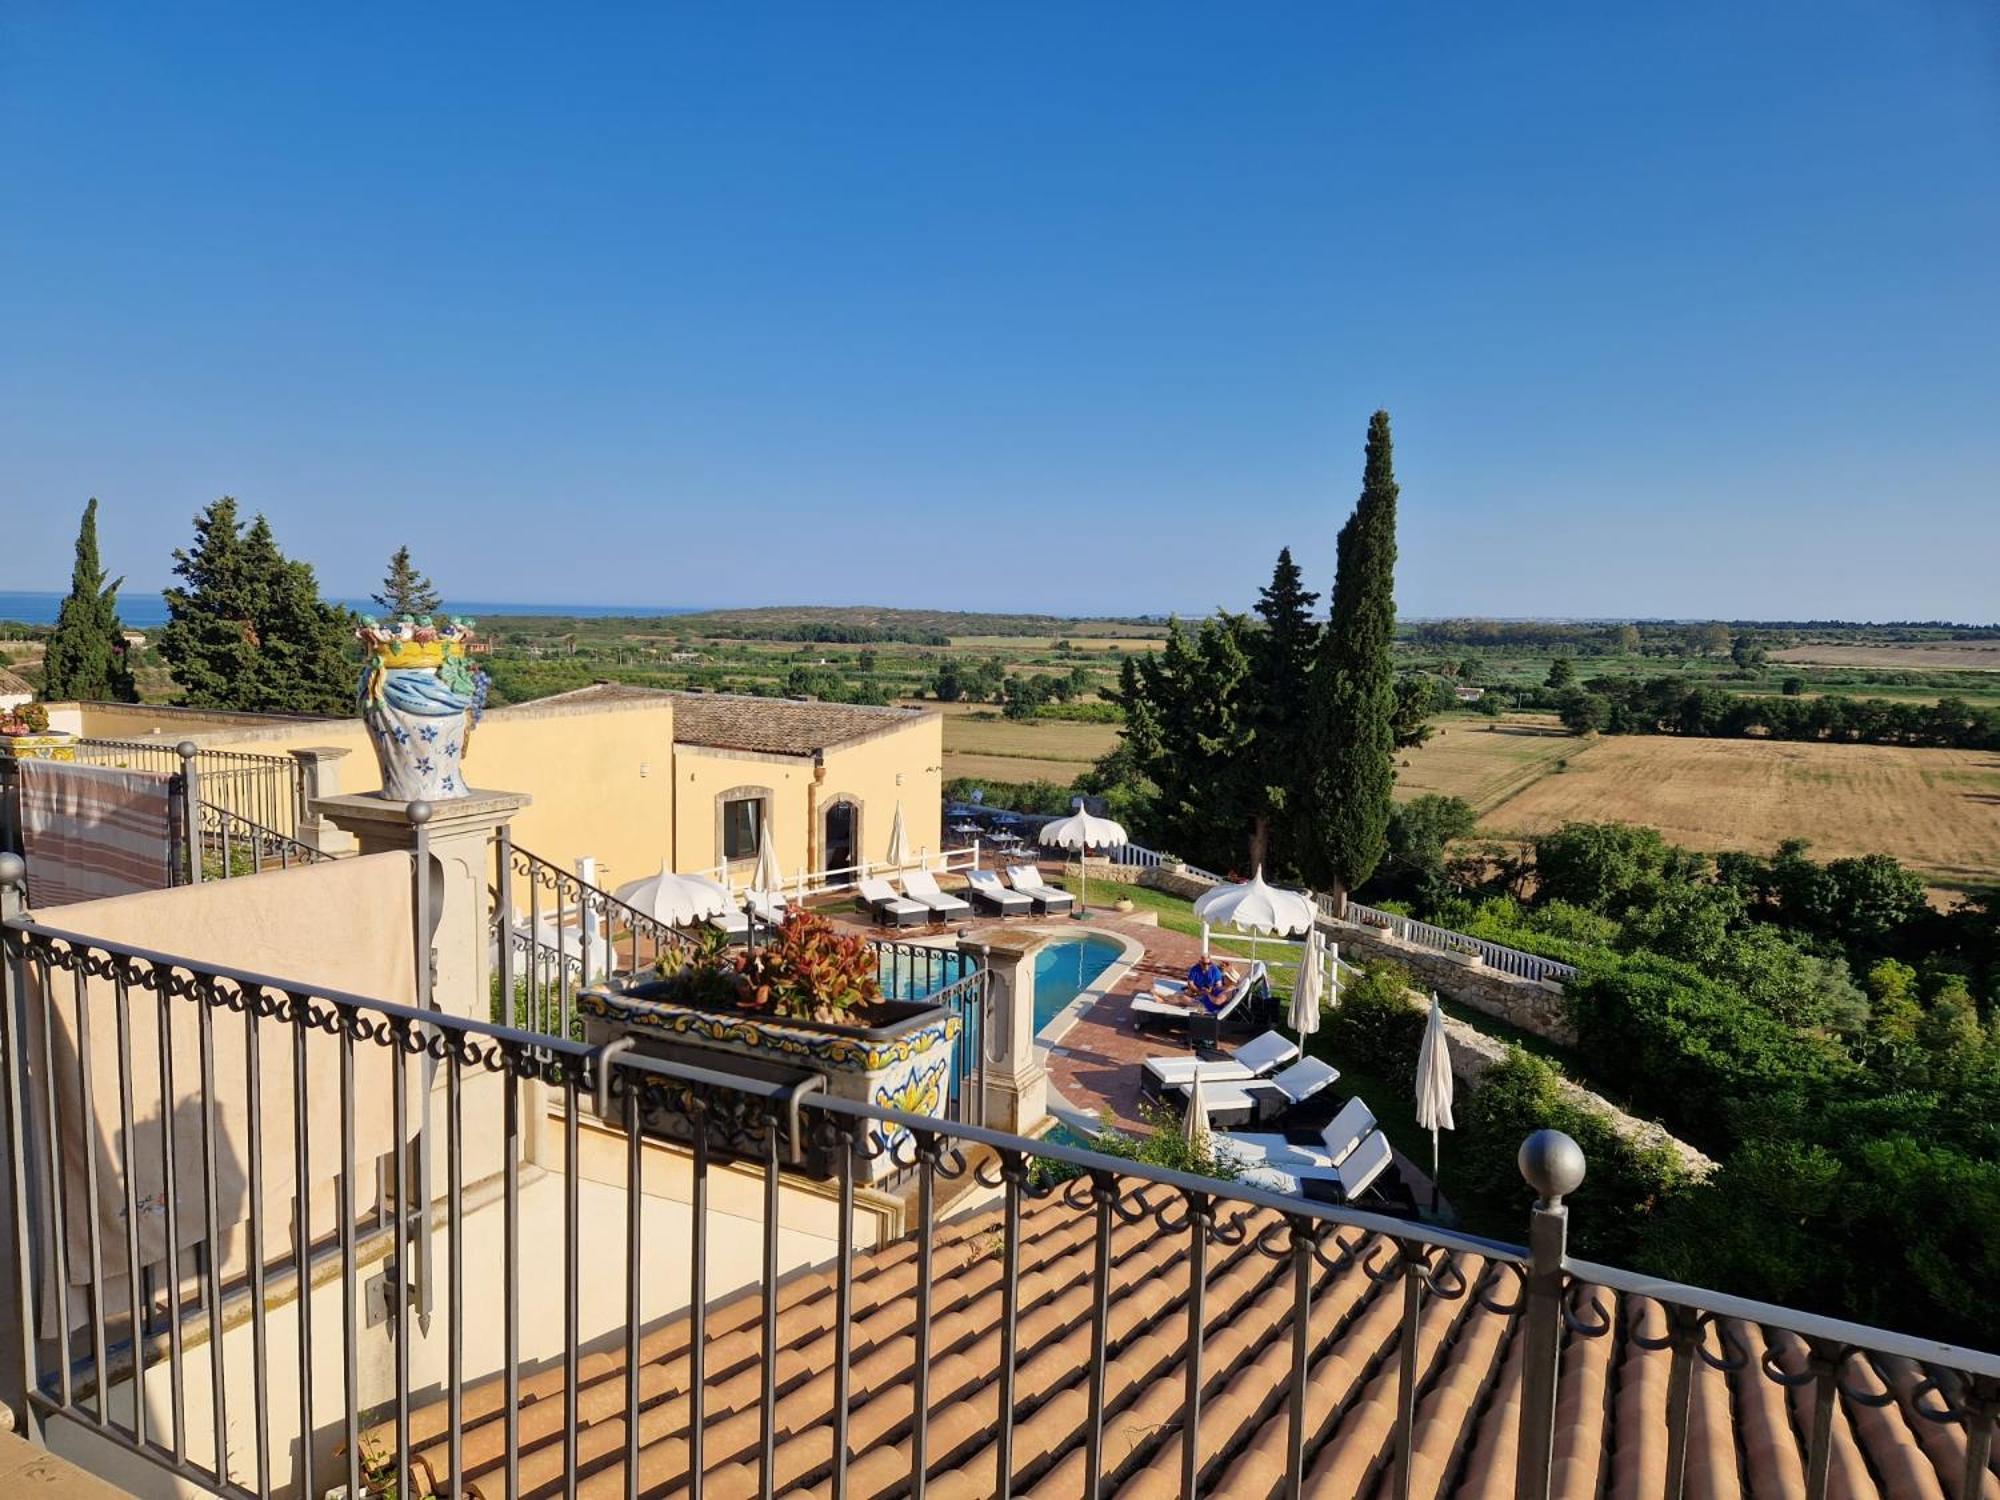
(808, 1000)
(25, 735)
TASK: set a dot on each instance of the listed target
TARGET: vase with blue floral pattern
(420, 698)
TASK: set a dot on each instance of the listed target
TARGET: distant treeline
(1670, 705)
(1695, 637)
(825, 633)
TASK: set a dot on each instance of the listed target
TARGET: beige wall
(601, 776)
(902, 765)
(701, 775)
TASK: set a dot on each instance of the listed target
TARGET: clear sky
(1680, 310)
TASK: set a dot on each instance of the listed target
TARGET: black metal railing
(94, 1033)
(267, 791)
(231, 845)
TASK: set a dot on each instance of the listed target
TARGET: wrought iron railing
(76, 1339)
(232, 845)
(265, 790)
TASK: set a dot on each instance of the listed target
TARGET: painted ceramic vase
(420, 698)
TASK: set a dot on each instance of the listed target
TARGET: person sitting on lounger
(1209, 982)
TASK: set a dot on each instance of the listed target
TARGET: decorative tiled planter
(903, 1063)
(52, 744)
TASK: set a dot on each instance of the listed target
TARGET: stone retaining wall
(1532, 1005)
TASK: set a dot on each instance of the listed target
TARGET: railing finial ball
(13, 869)
(1553, 1164)
(419, 813)
(187, 749)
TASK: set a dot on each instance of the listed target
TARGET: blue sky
(1682, 310)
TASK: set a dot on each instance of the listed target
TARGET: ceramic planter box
(904, 1062)
(54, 744)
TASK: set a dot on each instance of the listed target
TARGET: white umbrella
(1082, 831)
(1434, 1083)
(1195, 1121)
(1306, 993)
(1255, 908)
(674, 899)
(899, 854)
(767, 878)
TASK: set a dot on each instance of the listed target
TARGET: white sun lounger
(1048, 900)
(1342, 1183)
(1253, 1060)
(887, 907)
(1337, 1141)
(1297, 1084)
(921, 885)
(1153, 1010)
(987, 891)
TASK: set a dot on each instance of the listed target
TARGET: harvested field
(1000, 749)
(1919, 656)
(1936, 810)
(1484, 761)
(1012, 768)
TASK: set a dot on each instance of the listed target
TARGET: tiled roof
(776, 726)
(1748, 1435)
(11, 683)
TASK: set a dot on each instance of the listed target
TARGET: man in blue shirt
(1209, 982)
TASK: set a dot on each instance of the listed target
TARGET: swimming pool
(1065, 969)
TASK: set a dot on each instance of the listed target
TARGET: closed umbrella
(767, 878)
(1195, 1121)
(1434, 1084)
(899, 854)
(677, 900)
(1082, 831)
(1306, 993)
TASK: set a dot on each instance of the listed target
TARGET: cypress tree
(405, 591)
(86, 652)
(1281, 660)
(1349, 766)
(247, 628)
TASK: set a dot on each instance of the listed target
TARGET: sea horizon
(140, 610)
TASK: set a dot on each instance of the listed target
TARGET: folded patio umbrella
(1306, 993)
(767, 879)
(1195, 1122)
(899, 854)
(1434, 1082)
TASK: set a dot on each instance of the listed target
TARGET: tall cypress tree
(1281, 660)
(85, 659)
(1349, 768)
(247, 628)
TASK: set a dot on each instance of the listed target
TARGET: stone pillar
(319, 777)
(1017, 1094)
(460, 832)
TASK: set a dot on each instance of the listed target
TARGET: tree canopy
(405, 591)
(85, 657)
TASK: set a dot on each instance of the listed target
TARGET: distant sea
(142, 607)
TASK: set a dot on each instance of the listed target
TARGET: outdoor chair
(891, 910)
(1326, 1147)
(922, 886)
(1341, 1183)
(1265, 1098)
(1253, 1060)
(1203, 1024)
(1049, 901)
(990, 895)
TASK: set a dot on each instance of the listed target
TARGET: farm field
(1919, 656)
(1002, 749)
(1938, 811)
(1484, 761)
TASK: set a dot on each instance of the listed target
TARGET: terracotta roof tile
(1747, 1435)
(734, 721)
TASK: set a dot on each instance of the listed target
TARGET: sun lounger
(987, 892)
(1253, 1060)
(1267, 1097)
(1331, 1146)
(1048, 900)
(733, 922)
(922, 886)
(1342, 1183)
(1206, 1025)
(890, 909)
(1155, 1010)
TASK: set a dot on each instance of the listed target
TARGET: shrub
(1375, 1024)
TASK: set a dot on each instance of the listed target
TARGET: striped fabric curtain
(90, 831)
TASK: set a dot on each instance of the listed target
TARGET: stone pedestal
(1017, 1094)
(319, 778)
(459, 835)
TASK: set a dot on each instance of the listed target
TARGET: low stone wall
(1474, 1054)
(1174, 882)
(1532, 1005)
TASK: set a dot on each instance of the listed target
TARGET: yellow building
(630, 777)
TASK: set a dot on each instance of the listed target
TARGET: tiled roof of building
(776, 726)
(1748, 1435)
(11, 683)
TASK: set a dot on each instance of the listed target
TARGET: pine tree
(85, 659)
(1281, 661)
(405, 591)
(248, 630)
(1349, 767)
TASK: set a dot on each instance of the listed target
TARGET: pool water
(1066, 969)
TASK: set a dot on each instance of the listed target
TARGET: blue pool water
(1066, 969)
